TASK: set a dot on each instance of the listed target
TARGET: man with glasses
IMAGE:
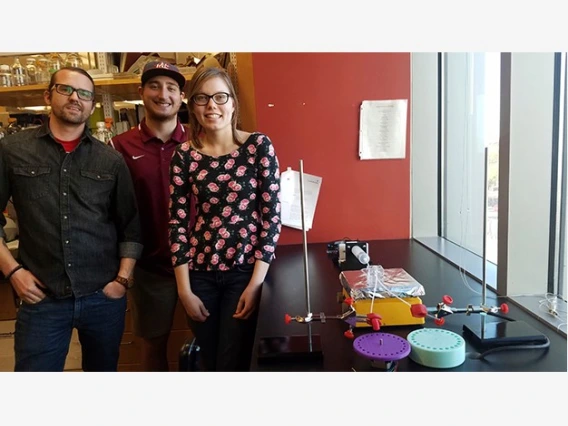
(147, 150)
(79, 233)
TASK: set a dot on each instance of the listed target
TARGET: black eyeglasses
(65, 89)
(220, 98)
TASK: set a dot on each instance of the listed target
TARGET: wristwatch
(126, 282)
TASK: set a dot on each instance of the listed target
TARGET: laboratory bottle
(42, 71)
(100, 132)
(19, 73)
(73, 60)
(5, 76)
(54, 62)
(31, 68)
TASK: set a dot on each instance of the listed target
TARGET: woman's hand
(248, 301)
(194, 307)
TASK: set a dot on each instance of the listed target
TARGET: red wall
(315, 117)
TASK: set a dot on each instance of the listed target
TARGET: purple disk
(381, 346)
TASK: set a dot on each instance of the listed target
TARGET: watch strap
(126, 282)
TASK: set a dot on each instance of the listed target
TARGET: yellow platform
(392, 310)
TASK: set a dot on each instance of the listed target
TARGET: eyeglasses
(220, 98)
(65, 89)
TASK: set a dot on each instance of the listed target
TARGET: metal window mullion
(563, 189)
(442, 229)
(504, 174)
(555, 182)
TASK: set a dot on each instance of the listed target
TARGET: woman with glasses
(221, 262)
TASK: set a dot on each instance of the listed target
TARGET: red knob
(349, 334)
(447, 300)
(376, 324)
(504, 308)
(348, 301)
(418, 310)
(374, 320)
(287, 319)
(440, 321)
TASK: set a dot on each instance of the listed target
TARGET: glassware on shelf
(42, 72)
(74, 60)
(19, 73)
(31, 68)
(102, 133)
(54, 62)
(5, 76)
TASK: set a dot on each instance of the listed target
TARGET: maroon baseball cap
(152, 69)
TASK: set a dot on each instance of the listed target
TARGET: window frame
(427, 179)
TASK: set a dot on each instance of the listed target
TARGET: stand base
(503, 333)
(290, 348)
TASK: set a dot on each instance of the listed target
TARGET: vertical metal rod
(484, 249)
(306, 271)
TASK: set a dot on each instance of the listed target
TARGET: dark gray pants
(225, 342)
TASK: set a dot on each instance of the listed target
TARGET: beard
(71, 117)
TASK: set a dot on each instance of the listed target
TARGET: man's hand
(27, 286)
(114, 290)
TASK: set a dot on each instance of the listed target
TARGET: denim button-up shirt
(77, 212)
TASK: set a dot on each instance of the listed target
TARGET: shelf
(120, 89)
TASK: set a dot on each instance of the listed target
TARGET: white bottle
(101, 132)
(19, 73)
(32, 70)
(6, 79)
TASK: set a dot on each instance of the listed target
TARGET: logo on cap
(155, 68)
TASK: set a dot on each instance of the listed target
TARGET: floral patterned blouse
(237, 198)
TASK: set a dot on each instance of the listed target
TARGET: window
(471, 102)
(515, 105)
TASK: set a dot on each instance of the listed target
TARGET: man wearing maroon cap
(147, 150)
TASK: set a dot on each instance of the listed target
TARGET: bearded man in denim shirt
(79, 233)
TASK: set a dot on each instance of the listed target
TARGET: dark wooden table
(284, 293)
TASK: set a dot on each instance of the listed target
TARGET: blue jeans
(225, 342)
(43, 332)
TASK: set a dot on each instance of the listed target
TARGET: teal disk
(436, 348)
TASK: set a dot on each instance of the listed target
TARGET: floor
(73, 362)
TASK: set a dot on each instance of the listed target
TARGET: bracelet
(13, 271)
(126, 282)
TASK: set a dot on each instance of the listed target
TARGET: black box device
(502, 333)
